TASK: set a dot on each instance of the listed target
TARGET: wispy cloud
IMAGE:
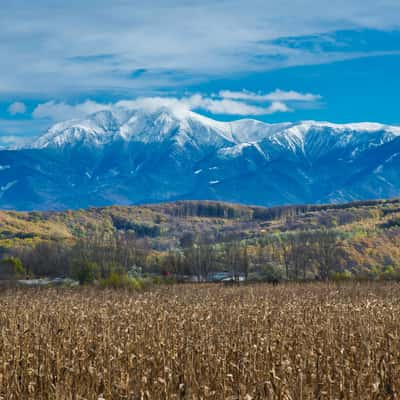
(11, 142)
(60, 111)
(61, 47)
(277, 95)
(233, 107)
(17, 108)
(227, 103)
(17, 131)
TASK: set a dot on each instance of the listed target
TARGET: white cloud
(57, 112)
(278, 106)
(229, 107)
(17, 108)
(62, 111)
(277, 95)
(154, 103)
(233, 107)
(11, 142)
(77, 46)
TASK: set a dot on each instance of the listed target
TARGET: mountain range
(137, 156)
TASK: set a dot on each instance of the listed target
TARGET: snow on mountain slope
(130, 156)
(97, 129)
(185, 127)
(137, 125)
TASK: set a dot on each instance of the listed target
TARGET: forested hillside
(198, 238)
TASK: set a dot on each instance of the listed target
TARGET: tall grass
(202, 342)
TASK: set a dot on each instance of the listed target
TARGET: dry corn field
(310, 341)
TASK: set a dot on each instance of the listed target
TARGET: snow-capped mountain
(125, 156)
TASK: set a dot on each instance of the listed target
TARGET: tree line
(301, 255)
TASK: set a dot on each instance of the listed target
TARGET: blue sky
(275, 61)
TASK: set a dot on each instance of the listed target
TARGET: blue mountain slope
(130, 157)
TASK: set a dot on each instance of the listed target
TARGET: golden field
(292, 341)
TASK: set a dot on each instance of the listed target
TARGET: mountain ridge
(106, 123)
(136, 156)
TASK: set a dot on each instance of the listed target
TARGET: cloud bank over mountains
(225, 103)
(243, 103)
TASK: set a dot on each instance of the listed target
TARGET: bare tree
(326, 252)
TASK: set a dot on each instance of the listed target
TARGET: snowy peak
(314, 139)
(97, 129)
(130, 156)
(186, 127)
(164, 124)
(192, 136)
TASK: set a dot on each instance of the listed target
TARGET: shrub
(12, 268)
(341, 276)
(390, 273)
(141, 230)
(272, 273)
(121, 281)
(85, 272)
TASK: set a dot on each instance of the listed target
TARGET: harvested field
(294, 341)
